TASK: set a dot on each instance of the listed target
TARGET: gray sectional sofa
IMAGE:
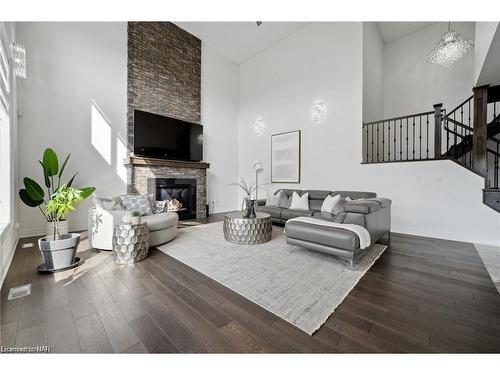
(366, 210)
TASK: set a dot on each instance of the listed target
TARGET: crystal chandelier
(451, 48)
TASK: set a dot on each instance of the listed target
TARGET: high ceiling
(391, 31)
(240, 40)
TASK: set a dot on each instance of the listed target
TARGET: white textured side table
(130, 243)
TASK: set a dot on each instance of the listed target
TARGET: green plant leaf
(23, 194)
(64, 165)
(34, 190)
(46, 178)
(71, 180)
(50, 162)
(86, 191)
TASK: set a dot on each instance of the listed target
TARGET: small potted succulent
(58, 247)
(135, 218)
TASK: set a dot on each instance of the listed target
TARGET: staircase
(468, 135)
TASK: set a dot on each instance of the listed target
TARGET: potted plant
(58, 247)
(135, 218)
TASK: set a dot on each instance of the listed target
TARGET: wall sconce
(258, 127)
(318, 113)
(19, 58)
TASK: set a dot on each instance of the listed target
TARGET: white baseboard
(40, 230)
(225, 209)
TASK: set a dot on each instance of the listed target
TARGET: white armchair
(101, 222)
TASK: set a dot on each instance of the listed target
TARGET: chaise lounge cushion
(323, 235)
(161, 221)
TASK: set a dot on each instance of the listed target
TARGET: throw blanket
(361, 232)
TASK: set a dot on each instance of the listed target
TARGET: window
(5, 126)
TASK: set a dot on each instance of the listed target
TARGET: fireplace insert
(180, 192)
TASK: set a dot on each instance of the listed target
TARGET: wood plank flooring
(422, 295)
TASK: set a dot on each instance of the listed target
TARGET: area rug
(301, 286)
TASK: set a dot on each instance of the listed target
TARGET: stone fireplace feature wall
(163, 77)
(140, 175)
(163, 72)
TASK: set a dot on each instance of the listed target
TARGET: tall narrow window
(5, 151)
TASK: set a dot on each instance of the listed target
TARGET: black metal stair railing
(404, 138)
(459, 132)
(492, 165)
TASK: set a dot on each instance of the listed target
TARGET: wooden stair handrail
(398, 118)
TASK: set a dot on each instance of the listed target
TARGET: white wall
(76, 86)
(412, 85)
(484, 33)
(9, 231)
(219, 106)
(324, 61)
(373, 73)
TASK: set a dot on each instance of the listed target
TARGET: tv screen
(164, 137)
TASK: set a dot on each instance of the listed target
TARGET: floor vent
(26, 245)
(19, 291)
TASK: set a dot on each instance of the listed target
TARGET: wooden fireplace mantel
(144, 161)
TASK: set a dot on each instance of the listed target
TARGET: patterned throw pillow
(139, 203)
(160, 206)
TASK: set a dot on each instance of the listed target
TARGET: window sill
(4, 227)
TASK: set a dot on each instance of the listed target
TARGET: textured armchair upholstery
(101, 222)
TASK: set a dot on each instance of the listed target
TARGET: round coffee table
(247, 231)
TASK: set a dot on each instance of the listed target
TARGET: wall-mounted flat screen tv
(164, 137)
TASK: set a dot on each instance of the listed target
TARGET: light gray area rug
(301, 286)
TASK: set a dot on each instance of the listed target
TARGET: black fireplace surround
(182, 189)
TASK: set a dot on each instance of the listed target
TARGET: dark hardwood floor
(422, 295)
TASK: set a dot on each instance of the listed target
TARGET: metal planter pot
(59, 253)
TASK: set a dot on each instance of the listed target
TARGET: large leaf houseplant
(57, 247)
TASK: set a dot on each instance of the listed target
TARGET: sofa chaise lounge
(365, 210)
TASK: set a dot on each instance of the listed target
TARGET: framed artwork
(285, 157)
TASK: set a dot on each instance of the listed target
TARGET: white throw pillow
(329, 203)
(300, 202)
(334, 205)
(273, 200)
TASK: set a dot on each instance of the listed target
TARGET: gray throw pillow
(274, 200)
(139, 203)
(285, 201)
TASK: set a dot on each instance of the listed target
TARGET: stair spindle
(389, 142)
(401, 139)
(427, 137)
(383, 141)
(377, 142)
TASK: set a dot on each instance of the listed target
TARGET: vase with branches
(248, 204)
